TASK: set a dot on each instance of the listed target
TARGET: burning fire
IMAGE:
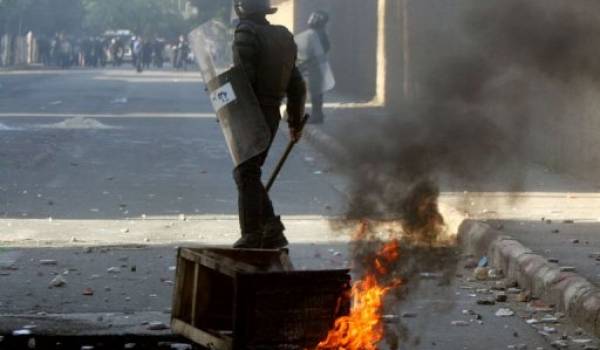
(422, 225)
(363, 328)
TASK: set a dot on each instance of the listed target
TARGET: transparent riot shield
(242, 121)
(313, 62)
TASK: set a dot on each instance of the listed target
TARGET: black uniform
(268, 55)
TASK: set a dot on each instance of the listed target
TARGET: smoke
(514, 64)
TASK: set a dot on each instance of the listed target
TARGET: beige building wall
(285, 13)
(353, 34)
(367, 38)
(380, 46)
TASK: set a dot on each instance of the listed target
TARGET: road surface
(109, 168)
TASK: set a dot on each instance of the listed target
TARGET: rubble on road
(157, 326)
(58, 281)
(21, 332)
(48, 262)
(113, 270)
(501, 298)
(431, 275)
(568, 269)
(119, 101)
(486, 301)
(549, 319)
(559, 344)
(391, 318)
(471, 264)
(504, 312)
(181, 347)
(524, 297)
(481, 273)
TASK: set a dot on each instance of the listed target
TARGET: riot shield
(313, 62)
(242, 121)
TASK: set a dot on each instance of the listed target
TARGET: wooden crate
(230, 299)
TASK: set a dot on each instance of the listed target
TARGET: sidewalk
(37, 66)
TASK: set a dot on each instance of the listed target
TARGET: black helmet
(249, 7)
(318, 19)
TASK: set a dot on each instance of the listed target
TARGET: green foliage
(143, 17)
(149, 17)
(208, 9)
(40, 16)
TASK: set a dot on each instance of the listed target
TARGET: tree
(40, 16)
(143, 17)
(208, 9)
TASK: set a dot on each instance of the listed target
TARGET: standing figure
(182, 51)
(147, 50)
(117, 51)
(313, 49)
(267, 54)
(44, 51)
(137, 46)
(65, 52)
(158, 52)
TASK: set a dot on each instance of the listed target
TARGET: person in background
(44, 51)
(158, 48)
(313, 50)
(137, 46)
(147, 50)
(117, 51)
(182, 51)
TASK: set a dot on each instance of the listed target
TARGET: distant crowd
(64, 51)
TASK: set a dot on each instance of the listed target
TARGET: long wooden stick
(285, 156)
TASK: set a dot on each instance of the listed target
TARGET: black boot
(273, 237)
(249, 241)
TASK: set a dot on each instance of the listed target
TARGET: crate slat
(231, 299)
(200, 336)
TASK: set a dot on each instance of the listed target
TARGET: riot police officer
(267, 54)
(313, 49)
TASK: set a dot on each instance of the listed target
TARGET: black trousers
(316, 99)
(254, 204)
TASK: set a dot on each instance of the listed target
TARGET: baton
(285, 156)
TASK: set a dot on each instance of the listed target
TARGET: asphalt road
(165, 157)
(95, 157)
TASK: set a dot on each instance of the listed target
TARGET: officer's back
(268, 54)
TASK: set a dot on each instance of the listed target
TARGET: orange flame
(363, 329)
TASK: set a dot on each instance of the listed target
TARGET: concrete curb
(569, 292)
